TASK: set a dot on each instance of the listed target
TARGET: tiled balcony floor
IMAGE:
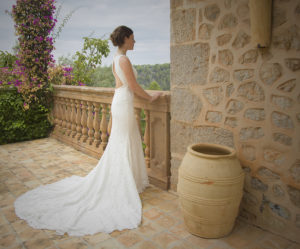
(26, 165)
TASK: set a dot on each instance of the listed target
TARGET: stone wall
(224, 90)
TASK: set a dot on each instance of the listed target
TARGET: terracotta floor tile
(73, 243)
(201, 242)
(182, 244)
(5, 229)
(180, 231)
(40, 243)
(154, 201)
(166, 196)
(117, 233)
(164, 239)
(10, 214)
(168, 206)
(97, 238)
(274, 241)
(129, 239)
(31, 234)
(150, 229)
(109, 244)
(146, 244)
(152, 213)
(7, 241)
(166, 221)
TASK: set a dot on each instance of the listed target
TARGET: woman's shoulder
(124, 60)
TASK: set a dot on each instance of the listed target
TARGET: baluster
(138, 118)
(55, 115)
(96, 125)
(90, 123)
(64, 122)
(147, 138)
(59, 112)
(73, 118)
(69, 112)
(78, 119)
(103, 127)
(110, 121)
(83, 121)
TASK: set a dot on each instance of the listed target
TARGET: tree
(154, 86)
(87, 60)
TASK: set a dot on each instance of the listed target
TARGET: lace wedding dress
(106, 199)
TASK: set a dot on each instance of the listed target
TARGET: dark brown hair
(118, 35)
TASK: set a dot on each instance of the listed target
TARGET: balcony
(26, 165)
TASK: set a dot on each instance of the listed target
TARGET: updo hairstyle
(118, 35)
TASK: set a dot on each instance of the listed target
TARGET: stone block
(257, 114)
(273, 156)
(183, 135)
(282, 101)
(213, 95)
(219, 75)
(204, 31)
(183, 24)
(258, 184)
(243, 74)
(234, 106)
(189, 64)
(223, 39)
(185, 105)
(268, 174)
(288, 38)
(241, 40)
(294, 195)
(225, 57)
(251, 91)
(228, 21)
(292, 63)
(251, 133)
(212, 12)
(229, 90)
(249, 57)
(287, 86)
(282, 139)
(231, 121)
(270, 72)
(277, 190)
(295, 171)
(213, 117)
(282, 120)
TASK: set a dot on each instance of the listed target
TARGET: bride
(107, 198)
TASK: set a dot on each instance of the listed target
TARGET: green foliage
(89, 58)
(17, 124)
(154, 86)
(158, 72)
(7, 59)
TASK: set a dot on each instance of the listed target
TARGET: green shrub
(17, 124)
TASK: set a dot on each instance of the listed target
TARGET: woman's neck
(121, 51)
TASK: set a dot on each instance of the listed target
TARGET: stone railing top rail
(105, 94)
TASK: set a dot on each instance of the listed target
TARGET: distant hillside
(146, 74)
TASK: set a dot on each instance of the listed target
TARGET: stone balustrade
(82, 119)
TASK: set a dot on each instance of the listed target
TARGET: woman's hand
(155, 96)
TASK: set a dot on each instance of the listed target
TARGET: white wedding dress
(106, 199)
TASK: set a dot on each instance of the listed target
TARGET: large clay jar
(210, 188)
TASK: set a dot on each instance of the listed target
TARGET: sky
(149, 20)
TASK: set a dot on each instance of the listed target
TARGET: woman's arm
(126, 66)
